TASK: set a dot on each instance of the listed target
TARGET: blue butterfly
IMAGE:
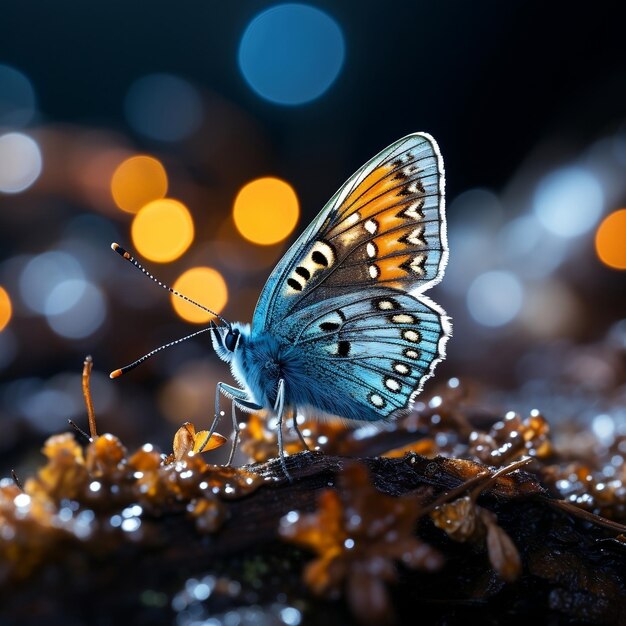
(342, 326)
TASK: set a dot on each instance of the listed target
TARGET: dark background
(510, 90)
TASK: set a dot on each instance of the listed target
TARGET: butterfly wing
(370, 351)
(348, 293)
(385, 227)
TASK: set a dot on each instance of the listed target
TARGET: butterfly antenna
(131, 259)
(139, 361)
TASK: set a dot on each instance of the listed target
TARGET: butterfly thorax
(261, 360)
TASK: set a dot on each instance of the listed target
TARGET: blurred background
(205, 136)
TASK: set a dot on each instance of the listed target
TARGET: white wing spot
(371, 250)
(371, 226)
(416, 264)
(374, 271)
(393, 384)
(411, 335)
(411, 354)
(416, 237)
(413, 188)
(353, 219)
(413, 211)
(401, 368)
(386, 305)
(403, 318)
(377, 400)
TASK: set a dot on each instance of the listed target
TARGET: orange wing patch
(370, 194)
(378, 231)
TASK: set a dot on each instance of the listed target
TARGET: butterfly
(342, 327)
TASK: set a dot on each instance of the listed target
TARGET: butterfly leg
(217, 415)
(299, 432)
(239, 396)
(236, 431)
(279, 409)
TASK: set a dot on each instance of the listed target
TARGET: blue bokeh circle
(291, 54)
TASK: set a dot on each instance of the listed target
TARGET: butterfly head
(227, 339)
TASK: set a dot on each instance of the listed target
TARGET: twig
(454, 493)
(87, 366)
(597, 520)
(498, 474)
(484, 480)
(79, 430)
(16, 480)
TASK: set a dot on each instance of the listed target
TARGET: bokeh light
(291, 53)
(550, 310)
(64, 296)
(190, 391)
(17, 98)
(162, 230)
(137, 181)
(569, 202)
(163, 107)
(524, 244)
(8, 347)
(204, 285)
(43, 273)
(86, 314)
(611, 240)
(20, 162)
(6, 308)
(495, 298)
(47, 404)
(266, 210)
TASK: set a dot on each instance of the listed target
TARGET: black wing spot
(343, 348)
(319, 258)
(294, 284)
(304, 272)
(329, 326)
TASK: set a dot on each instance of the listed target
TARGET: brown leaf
(104, 454)
(202, 442)
(65, 474)
(183, 440)
(503, 554)
(188, 440)
(368, 599)
(321, 531)
(456, 518)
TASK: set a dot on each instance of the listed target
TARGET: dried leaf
(456, 518)
(359, 534)
(183, 440)
(368, 599)
(202, 442)
(503, 554)
(104, 456)
(187, 440)
(65, 474)
(208, 514)
(323, 531)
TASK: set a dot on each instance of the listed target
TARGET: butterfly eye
(230, 341)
